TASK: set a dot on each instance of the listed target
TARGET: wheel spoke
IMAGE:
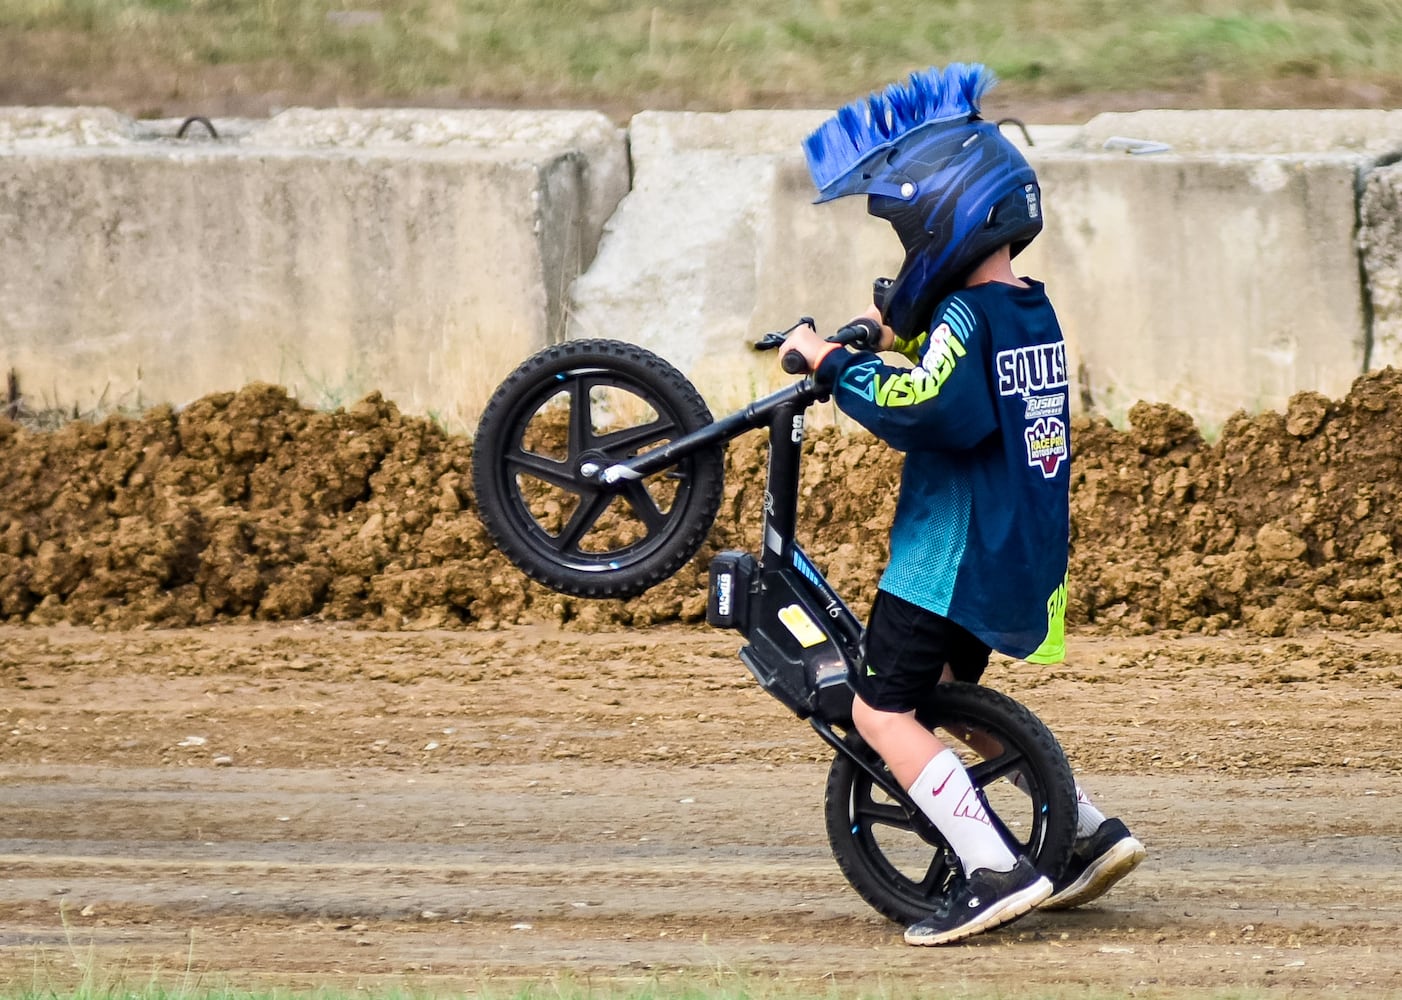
(985, 772)
(631, 439)
(581, 430)
(935, 876)
(545, 469)
(888, 813)
(644, 506)
(586, 515)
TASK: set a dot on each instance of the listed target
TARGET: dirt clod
(249, 506)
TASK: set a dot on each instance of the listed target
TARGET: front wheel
(565, 412)
(896, 859)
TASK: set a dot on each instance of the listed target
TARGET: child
(981, 533)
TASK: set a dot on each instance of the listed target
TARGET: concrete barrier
(1209, 276)
(718, 242)
(1216, 270)
(423, 253)
(1381, 242)
(1369, 133)
(419, 253)
(1198, 280)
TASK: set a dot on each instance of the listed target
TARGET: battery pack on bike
(733, 574)
(801, 635)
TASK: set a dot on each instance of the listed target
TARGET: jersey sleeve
(943, 403)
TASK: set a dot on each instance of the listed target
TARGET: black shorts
(906, 650)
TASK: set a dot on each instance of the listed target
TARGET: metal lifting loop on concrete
(194, 119)
(1026, 135)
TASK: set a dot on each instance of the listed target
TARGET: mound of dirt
(249, 506)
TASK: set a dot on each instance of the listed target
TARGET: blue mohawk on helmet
(862, 130)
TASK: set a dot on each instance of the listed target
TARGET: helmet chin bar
(911, 300)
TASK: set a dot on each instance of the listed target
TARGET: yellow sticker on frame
(803, 628)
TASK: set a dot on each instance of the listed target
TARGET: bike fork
(868, 762)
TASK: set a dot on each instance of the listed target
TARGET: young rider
(981, 533)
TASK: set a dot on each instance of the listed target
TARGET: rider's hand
(888, 336)
(805, 341)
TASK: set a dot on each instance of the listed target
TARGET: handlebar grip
(859, 333)
(794, 363)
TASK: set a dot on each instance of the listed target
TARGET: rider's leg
(937, 782)
(906, 646)
(1088, 817)
(1105, 851)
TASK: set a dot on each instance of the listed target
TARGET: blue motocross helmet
(950, 184)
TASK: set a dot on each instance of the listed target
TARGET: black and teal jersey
(982, 526)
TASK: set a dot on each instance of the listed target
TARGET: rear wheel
(896, 859)
(566, 411)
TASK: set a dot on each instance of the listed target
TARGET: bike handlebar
(862, 333)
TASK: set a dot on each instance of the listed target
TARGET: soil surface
(304, 804)
(272, 709)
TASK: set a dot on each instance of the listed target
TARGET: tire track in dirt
(648, 812)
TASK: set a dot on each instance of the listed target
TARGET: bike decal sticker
(808, 570)
(615, 473)
(801, 627)
(1045, 406)
(725, 585)
(1026, 370)
(1046, 445)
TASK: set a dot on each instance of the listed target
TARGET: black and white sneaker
(1097, 862)
(983, 900)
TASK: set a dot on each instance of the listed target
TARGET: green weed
(684, 53)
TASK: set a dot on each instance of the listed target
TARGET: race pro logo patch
(1047, 445)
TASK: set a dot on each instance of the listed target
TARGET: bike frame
(803, 638)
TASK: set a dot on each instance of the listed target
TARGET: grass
(568, 989)
(76, 972)
(680, 53)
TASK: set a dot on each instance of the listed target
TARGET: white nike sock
(1088, 818)
(944, 793)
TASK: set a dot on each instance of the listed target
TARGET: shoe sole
(1014, 906)
(1095, 881)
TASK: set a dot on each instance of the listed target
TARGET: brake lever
(773, 341)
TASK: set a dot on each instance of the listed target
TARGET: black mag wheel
(566, 411)
(897, 861)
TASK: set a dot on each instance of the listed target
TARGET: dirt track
(439, 810)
